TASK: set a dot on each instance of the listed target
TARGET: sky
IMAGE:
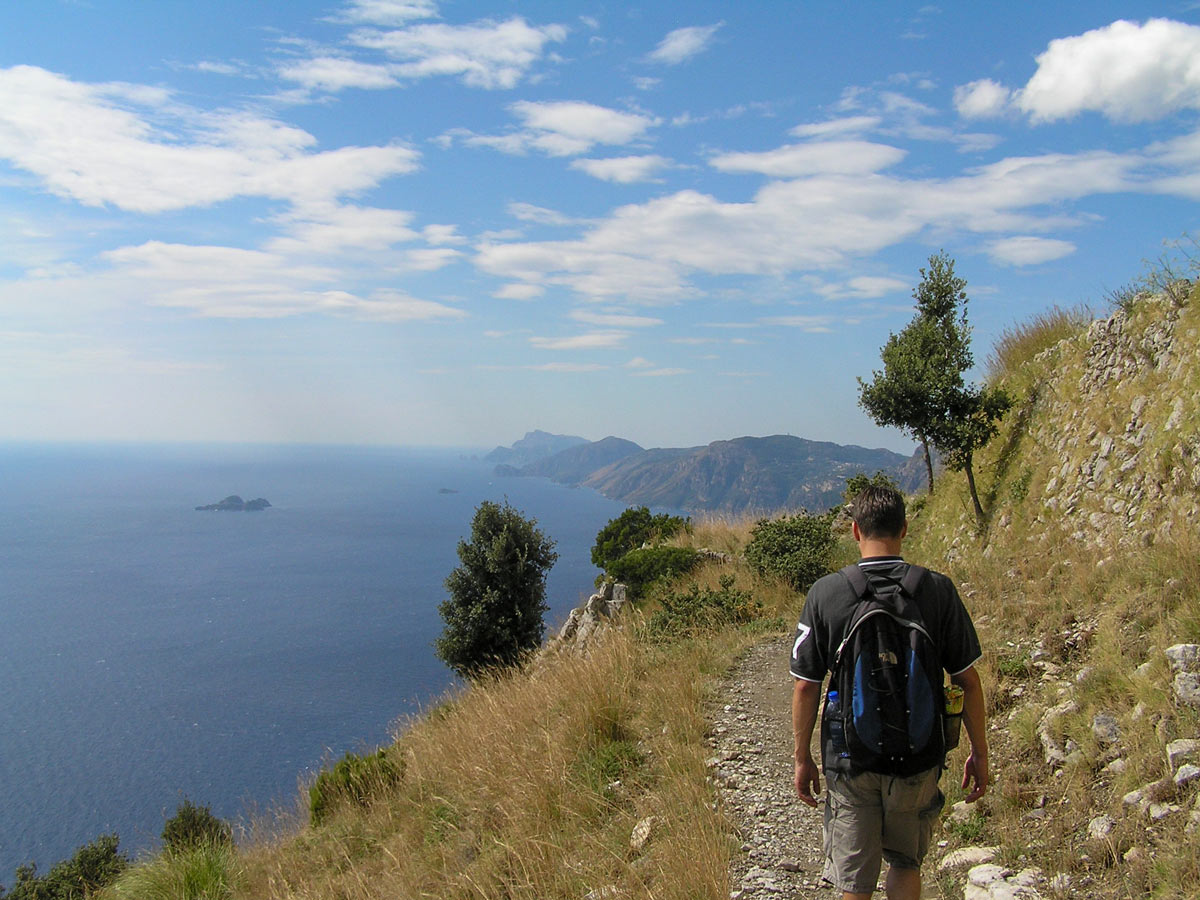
(424, 223)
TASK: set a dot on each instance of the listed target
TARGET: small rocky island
(234, 503)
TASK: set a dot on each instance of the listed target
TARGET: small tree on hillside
(497, 596)
(923, 364)
(974, 417)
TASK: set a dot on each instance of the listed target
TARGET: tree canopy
(922, 389)
(497, 596)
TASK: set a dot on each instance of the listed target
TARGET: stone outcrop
(596, 615)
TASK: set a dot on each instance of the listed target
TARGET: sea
(151, 652)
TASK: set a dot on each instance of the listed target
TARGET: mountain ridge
(739, 475)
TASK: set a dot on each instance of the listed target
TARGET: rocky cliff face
(1104, 442)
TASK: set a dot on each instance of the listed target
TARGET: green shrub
(796, 548)
(638, 569)
(632, 529)
(93, 866)
(356, 780)
(698, 609)
(200, 872)
(195, 826)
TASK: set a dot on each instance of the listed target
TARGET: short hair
(879, 512)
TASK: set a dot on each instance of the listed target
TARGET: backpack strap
(858, 581)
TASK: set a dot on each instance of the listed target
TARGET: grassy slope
(530, 786)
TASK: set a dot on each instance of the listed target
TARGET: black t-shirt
(831, 600)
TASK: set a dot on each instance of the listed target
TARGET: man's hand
(974, 772)
(808, 780)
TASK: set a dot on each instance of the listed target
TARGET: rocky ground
(752, 762)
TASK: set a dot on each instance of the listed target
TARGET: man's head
(879, 513)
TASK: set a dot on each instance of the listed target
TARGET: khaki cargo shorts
(871, 817)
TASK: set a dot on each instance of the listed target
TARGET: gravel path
(752, 762)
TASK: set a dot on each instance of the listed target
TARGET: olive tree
(493, 616)
(922, 389)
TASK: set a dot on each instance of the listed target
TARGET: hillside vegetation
(584, 776)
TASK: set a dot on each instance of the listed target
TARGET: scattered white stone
(1101, 827)
(1060, 883)
(1159, 811)
(993, 882)
(1181, 751)
(1187, 774)
(1187, 688)
(608, 892)
(1134, 854)
(1116, 767)
(967, 856)
(642, 833)
(959, 812)
(1184, 657)
(1105, 729)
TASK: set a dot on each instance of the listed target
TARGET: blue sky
(445, 223)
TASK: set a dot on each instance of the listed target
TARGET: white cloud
(569, 127)
(647, 253)
(485, 54)
(333, 73)
(862, 287)
(981, 99)
(442, 234)
(614, 320)
(332, 229)
(215, 68)
(519, 292)
(227, 282)
(639, 362)
(1125, 71)
(103, 144)
(622, 169)
(837, 127)
(1028, 251)
(659, 373)
(595, 340)
(810, 324)
(388, 12)
(823, 157)
(682, 44)
(540, 215)
(387, 306)
(567, 367)
(430, 259)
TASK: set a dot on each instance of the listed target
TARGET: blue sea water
(150, 652)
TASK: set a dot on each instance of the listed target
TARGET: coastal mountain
(234, 503)
(576, 464)
(746, 474)
(535, 446)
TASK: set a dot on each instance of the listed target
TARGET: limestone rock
(1101, 827)
(1181, 751)
(1105, 729)
(642, 832)
(1187, 688)
(1184, 657)
(967, 856)
(993, 882)
(1187, 774)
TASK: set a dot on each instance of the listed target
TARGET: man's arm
(975, 719)
(806, 698)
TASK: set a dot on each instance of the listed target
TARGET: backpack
(883, 712)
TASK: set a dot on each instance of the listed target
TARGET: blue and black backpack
(884, 709)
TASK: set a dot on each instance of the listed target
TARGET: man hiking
(884, 733)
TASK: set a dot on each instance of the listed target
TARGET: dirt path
(752, 736)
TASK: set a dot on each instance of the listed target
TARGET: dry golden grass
(1018, 344)
(530, 786)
